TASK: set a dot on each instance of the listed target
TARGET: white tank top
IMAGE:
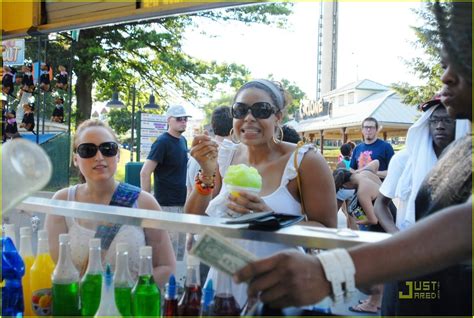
(133, 235)
(280, 201)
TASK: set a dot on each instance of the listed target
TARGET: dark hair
(352, 144)
(341, 176)
(271, 88)
(221, 121)
(371, 119)
(290, 134)
(346, 150)
(455, 32)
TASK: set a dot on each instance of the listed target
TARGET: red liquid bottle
(224, 302)
(171, 299)
(190, 302)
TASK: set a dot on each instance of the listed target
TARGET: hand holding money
(216, 251)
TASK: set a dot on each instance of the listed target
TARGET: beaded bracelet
(204, 184)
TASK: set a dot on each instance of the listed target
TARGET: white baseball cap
(176, 111)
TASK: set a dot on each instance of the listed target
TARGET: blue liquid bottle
(13, 270)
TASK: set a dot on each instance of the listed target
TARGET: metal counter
(300, 234)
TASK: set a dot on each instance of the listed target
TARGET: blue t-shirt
(171, 155)
(364, 153)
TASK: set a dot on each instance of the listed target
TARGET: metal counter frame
(300, 234)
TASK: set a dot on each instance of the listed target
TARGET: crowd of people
(430, 181)
(18, 107)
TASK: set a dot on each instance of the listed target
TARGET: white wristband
(333, 274)
(348, 269)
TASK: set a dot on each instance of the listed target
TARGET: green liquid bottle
(146, 298)
(123, 281)
(91, 283)
(65, 289)
(66, 299)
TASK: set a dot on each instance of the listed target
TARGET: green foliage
(119, 120)
(427, 68)
(223, 100)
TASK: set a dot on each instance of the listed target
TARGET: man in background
(168, 161)
(372, 148)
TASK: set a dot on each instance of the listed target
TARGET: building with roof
(339, 115)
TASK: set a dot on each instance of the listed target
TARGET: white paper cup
(234, 190)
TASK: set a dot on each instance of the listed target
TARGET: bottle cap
(192, 260)
(122, 247)
(64, 238)
(208, 292)
(145, 251)
(42, 235)
(94, 243)
(25, 231)
(171, 287)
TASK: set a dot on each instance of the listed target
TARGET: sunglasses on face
(181, 119)
(260, 110)
(89, 150)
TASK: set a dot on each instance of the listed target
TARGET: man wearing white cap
(168, 160)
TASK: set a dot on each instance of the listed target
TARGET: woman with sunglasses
(257, 111)
(96, 154)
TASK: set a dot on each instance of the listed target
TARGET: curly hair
(454, 21)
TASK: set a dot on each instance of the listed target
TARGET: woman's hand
(205, 150)
(246, 202)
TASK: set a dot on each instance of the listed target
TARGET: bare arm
(382, 174)
(365, 201)
(294, 279)
(382, 212)
(55, 225)
(145, 175)
(204, 150)
(164, 260)
(436, 242)
(319, 191)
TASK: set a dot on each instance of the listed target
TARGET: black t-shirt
(29, 121)
(7, 82)
(448, 183)
(171, 155)
(58, 111)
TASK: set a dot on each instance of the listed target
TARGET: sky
(372, 39)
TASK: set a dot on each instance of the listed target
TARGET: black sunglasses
(184, 118)
(89, 150)
(260, 110)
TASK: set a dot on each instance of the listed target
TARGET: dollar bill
(216, 251)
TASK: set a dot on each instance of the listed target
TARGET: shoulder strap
(125, 195)
(298, 180)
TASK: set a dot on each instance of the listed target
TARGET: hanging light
(115, 102)
(151, 103)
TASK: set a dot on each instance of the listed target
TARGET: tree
(119, 120)
(149, 55)
(427, 68)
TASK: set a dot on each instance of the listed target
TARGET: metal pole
(37, 100)
(71, 61)
(133, 122)
(44, 93)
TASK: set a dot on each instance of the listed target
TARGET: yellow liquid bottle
(26, 253)
(40, 278)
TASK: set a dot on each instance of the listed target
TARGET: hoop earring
(276, 140)
(234, 138)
